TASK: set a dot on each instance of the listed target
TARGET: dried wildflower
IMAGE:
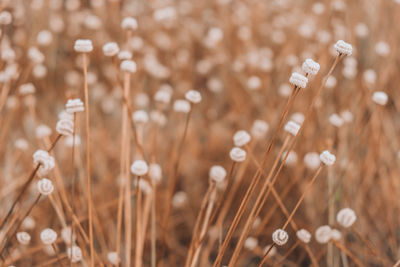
(241, 138)
(144, 186)
(291, 158)
(179, 199)
(66, 235)
(48, 236)
(113, 257)
(140, 117)
(65, 127)
(181, 106)
(343, 48)
(129, 23)
(280, 237)
(297, 117)
(46, 161)
(45, 186)
(44, 38)
(75, 254)
(74, 106)
(292, 127)
(380, 98)
(327, 158)
(5, 18)
(163, 95)
(254, 83)
(217, 174)
(28, 223)
(27, 88)
(83, 46)
(259, 129)
(323, 234)
(139, 167)
(312, 160)
(251, 243)
(193, 96)
(128, 66)
(155, 172)
(237, 154)
(336, 234)
(23, 238)
(303, 235)
(346, 217)
(298, 80)
(310, 67)
(110, 49)
(125, 55)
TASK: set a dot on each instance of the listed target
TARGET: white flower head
(139, 168)
(66, 235)
(312, 160)
(182, 106)
(45, 186)
(343, 48)
(75, 254)
(336, 120)
(65, 127)
(110, 49)
(128, 66)
(241, 138)
(237, 154)
(259, 129)
(23, 238)
(179, 199)
(292, 127)
(217, 174)
(46, 161)
(303, 235)
(336, 234)
(74, 106)
(323, 234)
(298, 80)
(129, 23)
(380, 98)
(251, 243)
(280, 237)
(346, 217)
(140, 117)
(327, 158)
(310, 67)
(193, 96)
(113, 257)
(48, 236)
(83, 46)
(27, 88)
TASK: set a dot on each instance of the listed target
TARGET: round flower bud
(110, 49)
(323, 234)
(292, 127)
(298, 80)
(259, 129)
(45, 186)
(179, 199)
(193, 96)
(74, 105)
(312, 160)
(83, 46)
(346, 217)
(217, 174)
(251, 243)
(237, 154)
(310, 67)
(380, 98)
(65, 127)
(155, 172)
(46, 161)
(28, 223)
(129, 23)
(5, 18)
(48, 236)
(181, 106)
(139, 167)
(280, 237)
(23, 238)
(327, 158)
(343, 48)
(140, 117)
(303, 235)
(26, 89)
(113, 257)
(241, 138)
(128, 66)
(75, 254)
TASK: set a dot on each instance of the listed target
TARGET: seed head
(336, 120)
(74, 106)
(241, 138)
(251, 243)
(129, 23)
(181, 105)
(139, 167)
(323, 234)
(66, 235)
(23, 238)
(312, 160)
(83, 46)
(48, 236)
(303, 235)
(310, 67)
(292, 127)
(259, 129)
(298, 80)
(128, 66)
(237, 154)
(110, 49)
(327, 158)
(346, 217)
(280, 237)
(380, 98)
(155, 172)
(140, 117)
(113, 257)
(45, 186)
(65, 127)
(75, 254)
(46, 161)
(217, 174)
(343, 48)
(26, 89)
(5, 18)
(193, 96)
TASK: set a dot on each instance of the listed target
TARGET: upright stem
(73, 185)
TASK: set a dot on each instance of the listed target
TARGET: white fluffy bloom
(327, 158)
(163, 96)
(65, 127)
(241, 138)
(42, 131)
(44, 38)
(48, 236)
(181, 105)
(298, 80)
(217, 173)
(346, 217)
(237, 154)
(280, 237)
(35, 55)
(259, 129)
(380, 98)
(110, 49)
(140, 117)
(312, 160)
(46, 161)
(113, 257)
(45, 186)
(26, 89)
(310, 67)
(129, 23)
(21, 144)
(74, 105)
(139, 167)
(336, 234)
(155, 172)
(179, 199)
(323, 234)
(28, 223)
(292, 127)
(5, 18)
(251, 243)
(83, 46)
(128, 66)
(303, 235)
(193, 96)
(66, 235)
(343, 48)
(23, 238)
(382, 49)
(75, 254)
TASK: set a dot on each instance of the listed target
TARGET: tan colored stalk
(59, 259)
(138, 223)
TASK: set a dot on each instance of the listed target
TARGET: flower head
(303, 235)
(48, 236)
(346, 217)
(45, 186)
(83, 46)
(310, 66)
(139, 167)
(343, 48)
(327, 158)
(298, 80)
(217, 174)
(237, 154)
(280, 237)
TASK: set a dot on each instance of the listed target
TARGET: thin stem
(59, 259)
(265, 257)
